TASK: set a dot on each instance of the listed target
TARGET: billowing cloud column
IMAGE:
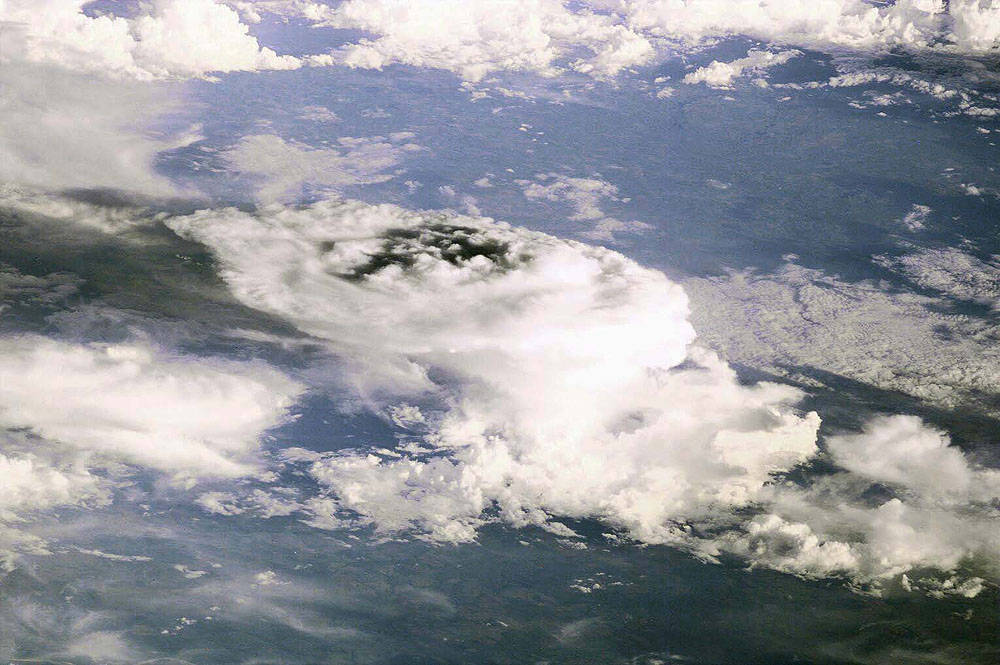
(558, 378)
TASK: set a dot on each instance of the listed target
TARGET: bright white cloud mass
(181, 38)
(475, 38)
(721, 74)
(168, 38)
(74, 414)
(131, 404)
(561, 381)
(566, 392)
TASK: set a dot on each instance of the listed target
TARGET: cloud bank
(476, 38)
(967, 26)
(604, 37)
(533, 378)
(78, 422)
(941, 514)
(554, 372)
(129, 403)
(167, 39)
(44, 109)
(195, 38)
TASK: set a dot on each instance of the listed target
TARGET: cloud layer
(799, 318)
(602, 37)
(44, 109)
(168, 38)
(960, 25)
(194, 38)
(558, 378)
(476, 38)
(283, 167)
(132, 404)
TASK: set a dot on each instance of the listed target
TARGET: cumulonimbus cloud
(557, 379)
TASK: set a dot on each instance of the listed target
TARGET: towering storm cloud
(556, 379)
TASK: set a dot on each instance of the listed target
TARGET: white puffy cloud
(944, 514)
(36, 477)
(284, 167)
(823, 24)
(561, 380)
(902, 451)
(917, 217)
(585, 196)
(554, 372)
(476, 38)
(168, 38)
(33, 483)
(195, 38)
(219, 503)
(976, 24)
(554, 380)
(192, 417)
(792, 547)
(76, 421)
(192, 37)
(721, 74)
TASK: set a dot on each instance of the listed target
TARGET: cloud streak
(283, 167)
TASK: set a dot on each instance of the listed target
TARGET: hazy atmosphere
(439, 332)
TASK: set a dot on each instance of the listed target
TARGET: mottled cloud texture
(561, 380)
